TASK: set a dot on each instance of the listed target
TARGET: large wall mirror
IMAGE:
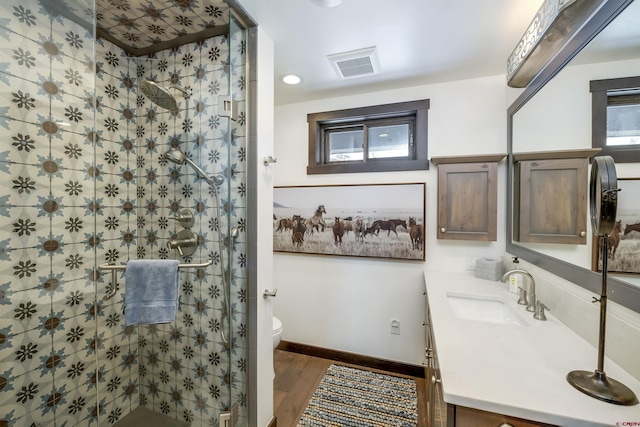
(554, 114)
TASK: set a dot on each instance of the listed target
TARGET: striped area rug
(353, 397)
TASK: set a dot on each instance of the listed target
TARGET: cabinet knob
(435, 380)
(505, 425)
(583, 233)
(443, 230)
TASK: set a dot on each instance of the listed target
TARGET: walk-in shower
(87, 185)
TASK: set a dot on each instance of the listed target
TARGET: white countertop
(517, 370)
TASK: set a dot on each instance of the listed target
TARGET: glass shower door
(48, 316)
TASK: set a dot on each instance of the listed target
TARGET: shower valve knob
(185, 218)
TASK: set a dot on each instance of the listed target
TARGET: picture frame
(370, 221)
(624, 241)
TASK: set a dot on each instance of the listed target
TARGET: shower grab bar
(115, 268)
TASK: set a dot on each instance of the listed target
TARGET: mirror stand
(603, 192)
(596, 384)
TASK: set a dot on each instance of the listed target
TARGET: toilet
(277, 331)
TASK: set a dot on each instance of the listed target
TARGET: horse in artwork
(359, 227)
(416, 232)
(397, 222)
(338, 231)
(316, 221)
(613, 240)
(285, 224)
(631, 227)
(379, 224)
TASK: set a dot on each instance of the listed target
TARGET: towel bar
(114, 268)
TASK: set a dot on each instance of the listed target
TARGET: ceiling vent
(356, 63)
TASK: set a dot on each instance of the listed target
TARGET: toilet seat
(277, 325)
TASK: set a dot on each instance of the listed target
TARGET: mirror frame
(621, 292)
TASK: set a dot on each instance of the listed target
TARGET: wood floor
(298, 375)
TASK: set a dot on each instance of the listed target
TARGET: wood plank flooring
(298, 375)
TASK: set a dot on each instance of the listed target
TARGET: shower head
(175, 155)
(160, 95)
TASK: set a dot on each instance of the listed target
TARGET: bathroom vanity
(488, 361)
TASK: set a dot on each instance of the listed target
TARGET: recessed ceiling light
(291, 79)
(327, 3)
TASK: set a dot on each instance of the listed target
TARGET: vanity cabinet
(551, 197)
(467, 197)
(442, 414)
(436, 406)
(468, 417)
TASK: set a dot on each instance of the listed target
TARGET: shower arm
(185, 92)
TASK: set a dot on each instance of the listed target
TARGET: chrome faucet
(529, 287)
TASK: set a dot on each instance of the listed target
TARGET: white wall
(264, 190)
(346, 303)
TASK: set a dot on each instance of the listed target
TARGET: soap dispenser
(515, 280)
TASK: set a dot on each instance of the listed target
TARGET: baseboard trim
(353, 358)
(273, 422)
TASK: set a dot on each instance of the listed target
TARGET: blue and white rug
(353, 397)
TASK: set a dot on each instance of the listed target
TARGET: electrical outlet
(395, 326)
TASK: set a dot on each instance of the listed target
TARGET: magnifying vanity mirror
(554, 113)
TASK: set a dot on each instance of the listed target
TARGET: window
(390, 137)
(616, 118)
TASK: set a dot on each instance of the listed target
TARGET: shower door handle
(227, 107)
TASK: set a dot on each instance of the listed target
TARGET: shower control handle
(185, 218)
(185, 242)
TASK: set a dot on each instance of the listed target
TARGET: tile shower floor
(144, 417)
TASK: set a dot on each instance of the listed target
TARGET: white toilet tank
(277, 331)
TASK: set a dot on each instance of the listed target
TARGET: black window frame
(601, 93)
(322, 123)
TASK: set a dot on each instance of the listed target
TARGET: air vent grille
(356, 63)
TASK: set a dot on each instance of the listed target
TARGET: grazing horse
(338, 231)
(285, 224)
(631, 227)
(384, 225)
(316, 221)
(416, 233)
(613, 240)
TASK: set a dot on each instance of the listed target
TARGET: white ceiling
(418, 41)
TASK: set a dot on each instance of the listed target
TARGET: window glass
(345, 145)
(623, 124)
(377, 138)
(388, 141)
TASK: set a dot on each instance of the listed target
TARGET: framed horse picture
(373, 221)
(623, 244)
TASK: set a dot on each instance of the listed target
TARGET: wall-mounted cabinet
(551, 197)
(467, 197)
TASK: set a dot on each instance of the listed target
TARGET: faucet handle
(540, 308)
(522, 297)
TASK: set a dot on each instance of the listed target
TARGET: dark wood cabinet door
(467, 201)
(552, 201)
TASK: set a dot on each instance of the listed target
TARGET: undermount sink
(484, 308)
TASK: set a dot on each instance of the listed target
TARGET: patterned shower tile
(28, 17)
(74, 39)
(73, 78)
